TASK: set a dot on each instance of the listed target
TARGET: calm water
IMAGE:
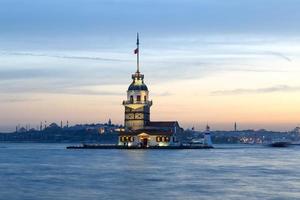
(49, 171)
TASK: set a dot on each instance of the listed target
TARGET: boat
(197, 142)
(280, 143)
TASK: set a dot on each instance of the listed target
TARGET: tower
(207, 137)
(137, 106)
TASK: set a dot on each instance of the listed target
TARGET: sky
(204, 61)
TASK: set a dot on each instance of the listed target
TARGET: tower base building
(160, 133)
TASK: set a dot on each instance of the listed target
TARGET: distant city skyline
(204, 61)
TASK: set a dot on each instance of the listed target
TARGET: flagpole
(138, 53)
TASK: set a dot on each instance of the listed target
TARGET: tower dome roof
(138, 82)
(134, 86)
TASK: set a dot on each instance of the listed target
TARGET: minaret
(137, 105)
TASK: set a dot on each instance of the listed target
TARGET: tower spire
(137, 52)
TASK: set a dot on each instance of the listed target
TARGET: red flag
(136, 50)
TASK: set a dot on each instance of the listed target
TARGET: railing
(137, 102)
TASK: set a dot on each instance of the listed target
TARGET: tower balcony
(127, 102)
(138, 76)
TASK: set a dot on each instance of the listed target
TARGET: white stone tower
(137, 105)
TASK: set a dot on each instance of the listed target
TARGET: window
(159, 139)
(131, 99)
(126, 139)
(145, 98)
(138, 98)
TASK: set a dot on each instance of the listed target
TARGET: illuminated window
(159, 139)
(138, 98)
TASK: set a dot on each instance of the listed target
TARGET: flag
(136, 51)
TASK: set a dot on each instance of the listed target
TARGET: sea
(30, 171)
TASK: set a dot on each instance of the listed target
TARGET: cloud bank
(240, 91)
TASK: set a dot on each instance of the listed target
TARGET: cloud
(18, 100)
(162, 94)
(280, 55)
(173, 63)
(79, 91)
(278, 88)
(62, 56)
(29, 73)
(23, 88)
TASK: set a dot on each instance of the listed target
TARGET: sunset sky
(204, 61)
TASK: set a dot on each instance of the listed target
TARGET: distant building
(296, 130)
(53, 126)
(101, 130)
(22, 130)
(139, 130)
